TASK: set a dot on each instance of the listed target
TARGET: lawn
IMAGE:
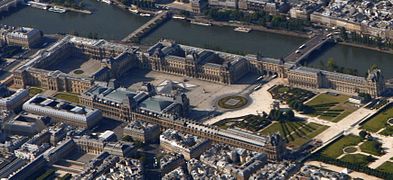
(369, 147)
(327, 98)
(386, 167)
(35, 90)
(359, 159)
(78, 71)
(388, 131)
(68, 97)
(336, 149)
(330, 107)
(239, 101)
(295, 133)
(379, 121)
(47, 175)
(285, 93)
(350, 149)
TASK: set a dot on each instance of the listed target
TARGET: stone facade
(63, 111)
(141, 131)
(187, 145)
(12, 100)
(22, 36)
(169, 57)
(115, 59)
(315, 79)
(351, 26)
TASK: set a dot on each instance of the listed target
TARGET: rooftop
(181, 139)
(59, 105)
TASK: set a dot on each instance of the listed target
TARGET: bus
(258, 87)
(259, 78)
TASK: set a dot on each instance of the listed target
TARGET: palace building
(169, 57)
(106, 60)
(63, 111)
(311, 78)
(51, 68)
(119, 103)
(20, 36)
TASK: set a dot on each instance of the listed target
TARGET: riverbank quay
(84, 11)
(257, 28)
(228, 24)
(122, 6)
(366, 47)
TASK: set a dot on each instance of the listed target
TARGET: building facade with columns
(114, 60)
(311, 78)
(170, 57)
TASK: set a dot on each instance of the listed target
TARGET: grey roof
(155, 104)
(114, 95)
(120, 94)
(4, 91)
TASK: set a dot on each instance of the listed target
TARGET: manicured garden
(285, 93)
(35, 90)
(336, 149)
(296, 133)
(352, 159)
(350, 149)
(359, 159)
(331, 107)
(379, 121)
(68, 97)
(250, 122)
(372, 147)
(232, 102)
(347, 150)
(386, 167)
(388, 131)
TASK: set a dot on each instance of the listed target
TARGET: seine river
(110, 22)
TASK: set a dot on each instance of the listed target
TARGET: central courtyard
(77, 66)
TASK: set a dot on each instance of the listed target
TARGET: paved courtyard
(260, 101)
(202, 94)
(88, 68)
(85, 65)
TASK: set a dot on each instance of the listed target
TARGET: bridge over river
(5, 5)
(148, 27)
(315, 43)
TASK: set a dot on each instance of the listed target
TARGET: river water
(356, 58)
(107, 21)
(110, 22)
(225, 38)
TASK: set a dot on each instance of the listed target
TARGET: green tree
(367, 97)
(331, 65)
(363, 134)
(373, 67)
(321, 65)
(127, 138)
(370, 158)
(343, 33)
